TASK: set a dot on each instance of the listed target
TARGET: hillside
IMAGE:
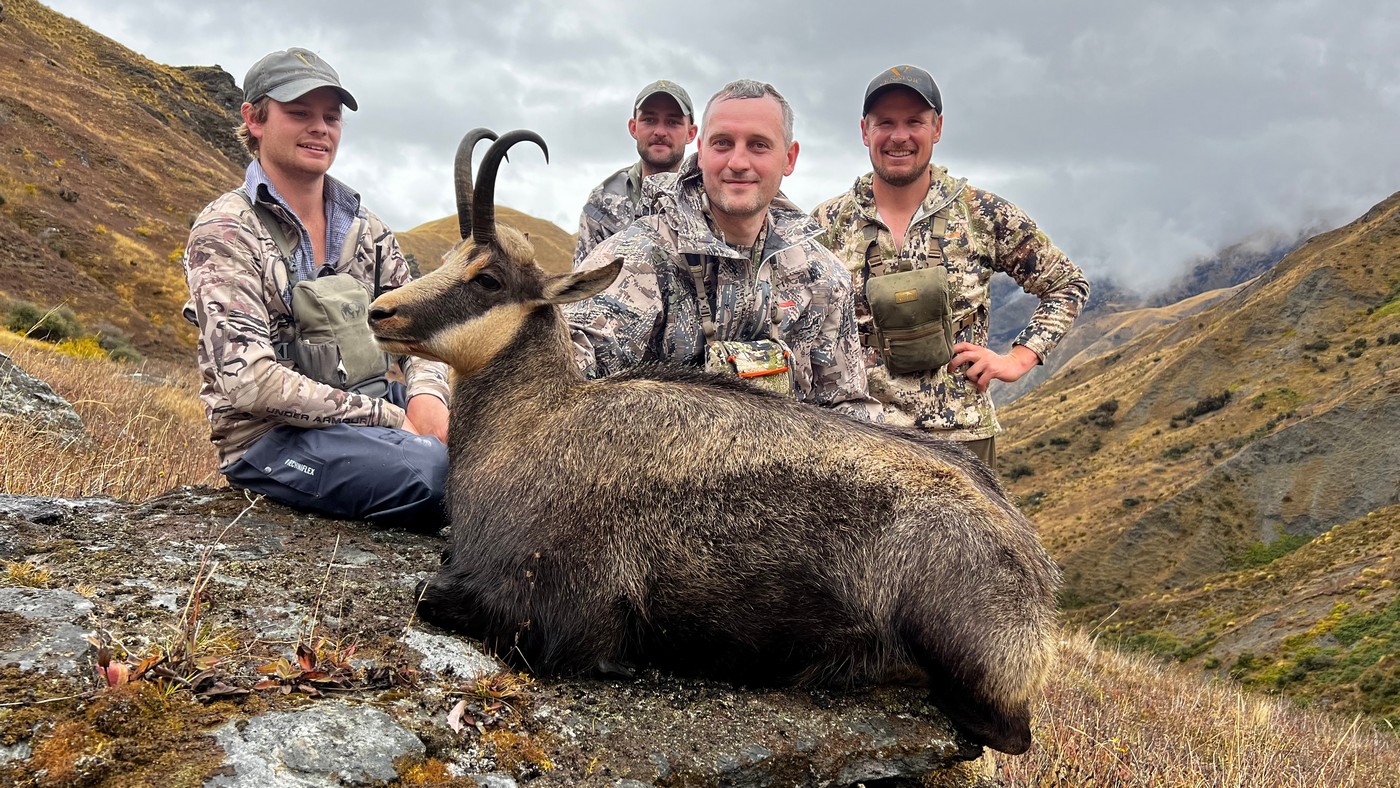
(1221, 442)
(1242, 424)
(1316, 622)
(428, 242)
(106, 157)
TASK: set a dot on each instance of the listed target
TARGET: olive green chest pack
(334, 344)
(910, 309)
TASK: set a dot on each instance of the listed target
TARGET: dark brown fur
(689, 521)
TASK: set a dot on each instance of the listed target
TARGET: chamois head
(467, 310)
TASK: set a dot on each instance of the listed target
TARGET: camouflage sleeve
(223, 265)
(838, 364)
(592, 228)
(1026, 254)
(424, 376)
(615, 329)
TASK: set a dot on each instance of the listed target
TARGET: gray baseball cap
(911, 77)
(669, 88)
(289, 74)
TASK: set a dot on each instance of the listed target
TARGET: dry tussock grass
(145, 434)
(1111, 719)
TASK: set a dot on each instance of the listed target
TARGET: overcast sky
(1138, 135)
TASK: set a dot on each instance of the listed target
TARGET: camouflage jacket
(985, 234)
(651, 313)
(237, 278)
(611, 207)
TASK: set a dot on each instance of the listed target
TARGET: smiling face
(299, 138)
(900, 131)
(662, 130)
(743, 155)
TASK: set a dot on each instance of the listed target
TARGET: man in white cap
(921, 247)
(662, 123)
(281, 271)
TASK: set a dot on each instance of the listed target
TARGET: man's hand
(985, 365)
(428, 416)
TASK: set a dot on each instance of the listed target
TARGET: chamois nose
(378, 313)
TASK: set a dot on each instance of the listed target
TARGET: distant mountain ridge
(1113, 315)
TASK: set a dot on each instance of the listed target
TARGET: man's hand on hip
(984, 365)
(428, 416)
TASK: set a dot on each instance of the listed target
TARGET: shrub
(1178, 451)
(1102, 415)
(81, 347)
(1131, 501)
(1019, 471)
(52, 325)
(1317, 345)
(1203, 406)
(1059, 440)
(117, 343)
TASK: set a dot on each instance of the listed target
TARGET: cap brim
(883, 89)
(298, 88)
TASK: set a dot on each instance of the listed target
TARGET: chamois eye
(488, 281)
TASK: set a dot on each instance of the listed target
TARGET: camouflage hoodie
(611, 207)
(238, 278)
(650, 313)
(985, 234)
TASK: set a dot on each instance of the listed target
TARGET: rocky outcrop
(283, 590)
(29, 399)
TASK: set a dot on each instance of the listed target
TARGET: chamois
(670, 517)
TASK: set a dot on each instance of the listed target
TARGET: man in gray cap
(662, 123)
(921, 247)
(281, 271)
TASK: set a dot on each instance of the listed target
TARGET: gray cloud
(1138, 135)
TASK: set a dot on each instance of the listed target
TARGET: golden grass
(145, 434)
(1112, 719)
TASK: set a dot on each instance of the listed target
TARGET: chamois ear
(578, 285)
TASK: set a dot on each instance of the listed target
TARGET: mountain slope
(428, 242)
(1270, 413)
(106, 156)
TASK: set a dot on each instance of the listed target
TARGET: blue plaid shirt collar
(342, 206)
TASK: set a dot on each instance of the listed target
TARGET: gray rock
(494, 781)
(15, 752)
(40, 630)
(442, 654)
(25, 397)
(327, 745)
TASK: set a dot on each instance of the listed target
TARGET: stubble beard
(900, 179)
(667, 162)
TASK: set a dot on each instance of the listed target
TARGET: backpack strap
(275, 231)
(696, 264)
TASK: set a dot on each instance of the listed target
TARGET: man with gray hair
(726, 261)
(662, 123)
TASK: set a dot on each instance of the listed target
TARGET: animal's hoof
(621, 670)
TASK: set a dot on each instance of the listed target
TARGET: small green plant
(51, 325)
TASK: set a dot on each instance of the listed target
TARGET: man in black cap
(662, 123)
(925, 329)
(281, 271)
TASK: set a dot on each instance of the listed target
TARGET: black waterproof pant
(387, 476)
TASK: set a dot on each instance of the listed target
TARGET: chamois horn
(484, 196)
(462, 177)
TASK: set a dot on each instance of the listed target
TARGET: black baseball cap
(911, 77)
(289, 74)
(669, 88)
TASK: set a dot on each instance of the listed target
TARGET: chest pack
(333, 344)
(765, 363)
(910, 309)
